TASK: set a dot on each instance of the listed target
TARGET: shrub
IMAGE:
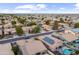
(77, 25)
(13, 22)
(19, 30)
(36, 29)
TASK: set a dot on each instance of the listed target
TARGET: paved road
(3, 41)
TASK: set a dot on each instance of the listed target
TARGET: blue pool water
(77, 41)
(67, 51)
(48, 40)
(75, 30)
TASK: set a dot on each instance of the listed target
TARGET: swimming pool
(48, 40)
(67, 51)
(76, 30)
(77, 41)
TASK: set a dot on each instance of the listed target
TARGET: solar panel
(48, 40)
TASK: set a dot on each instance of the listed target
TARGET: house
(68, 36)
(51, 42)
(46, 27)
(11, 30)
(5, 49)
(32, 47)
(8, 25)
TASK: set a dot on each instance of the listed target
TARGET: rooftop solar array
(48, 40)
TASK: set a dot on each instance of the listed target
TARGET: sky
(39, 1)
(39, 8)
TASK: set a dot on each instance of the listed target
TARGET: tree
(55, 26)
(22, 21)
(31, 23)
(42, 18)
(15, 50)
(36, 38)
(36, 29)
(61, 20)
(13, 22)
(14, 16)
(47, 22)
(77, 25)
(77, 51)
(19, 30)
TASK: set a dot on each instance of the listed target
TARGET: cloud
(15, 11)
(5, 11)
(25, 7)
(61, 8)
(29, 11)
(22, 11)
(32, 7)
(77, 6)
(41, 5)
